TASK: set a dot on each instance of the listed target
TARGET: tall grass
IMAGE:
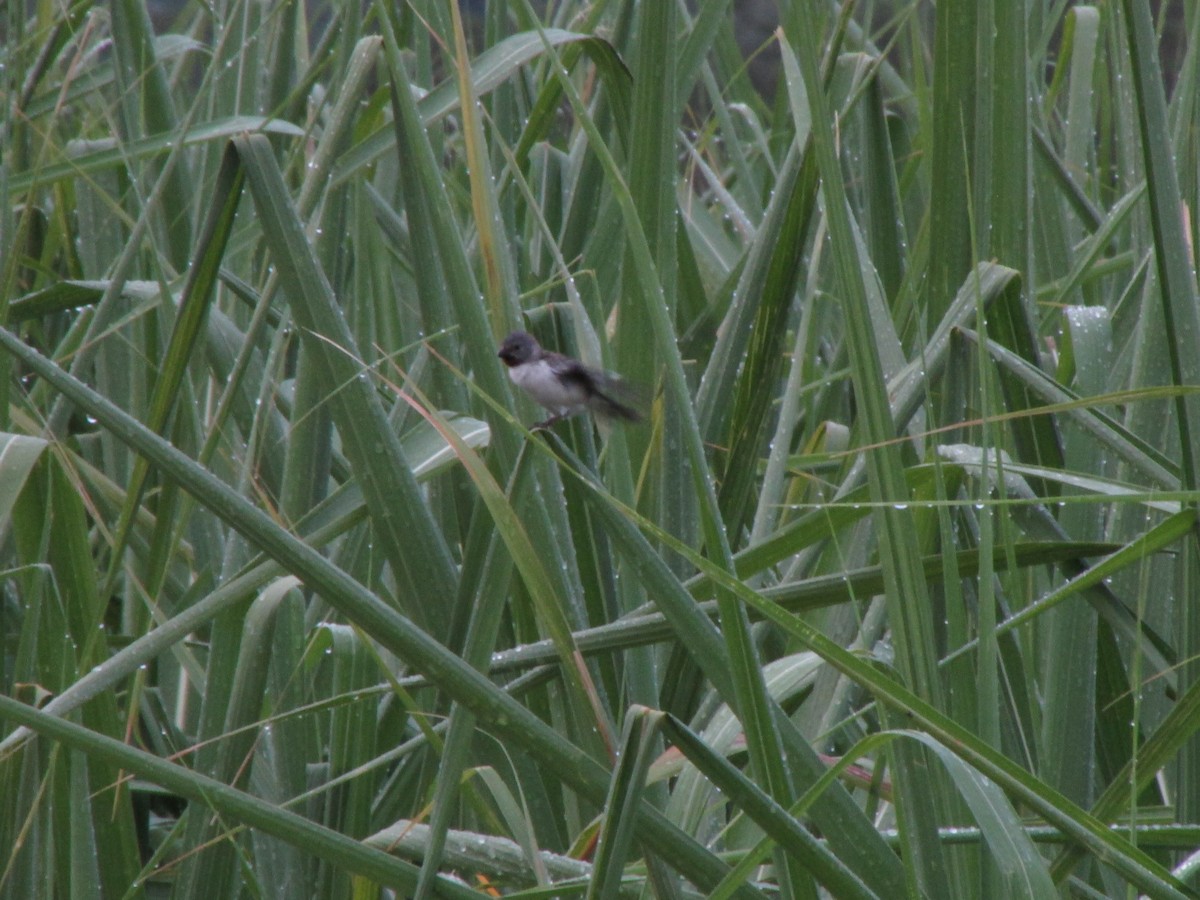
(893, 593)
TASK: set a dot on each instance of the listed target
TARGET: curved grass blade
(489, 70)
(342, 851)
(788, 831)
(409, 537)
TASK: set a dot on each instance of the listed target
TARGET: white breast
(540, 382)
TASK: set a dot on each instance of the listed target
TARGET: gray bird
(563, 385)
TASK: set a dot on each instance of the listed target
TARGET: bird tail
(616, 399)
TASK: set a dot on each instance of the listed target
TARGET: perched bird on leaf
(564, 385)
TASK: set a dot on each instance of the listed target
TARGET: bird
(564, 385)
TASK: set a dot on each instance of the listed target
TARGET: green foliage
(891, 595)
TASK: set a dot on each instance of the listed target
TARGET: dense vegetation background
(894, 593)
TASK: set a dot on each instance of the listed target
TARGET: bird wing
(606, 394)
(572, 371)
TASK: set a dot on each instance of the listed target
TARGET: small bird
(564, 385)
